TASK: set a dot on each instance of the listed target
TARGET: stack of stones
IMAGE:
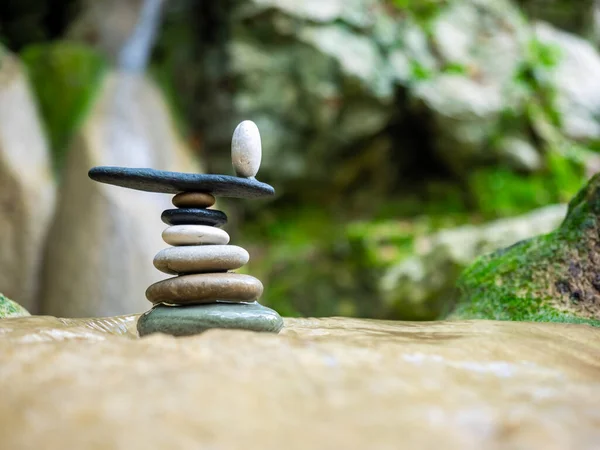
(204, 292)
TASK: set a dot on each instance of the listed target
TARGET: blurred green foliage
(65, 77)
(10, 308)
(499, 192)
(422, 11)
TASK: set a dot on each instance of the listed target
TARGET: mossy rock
(549, 278)
(9, 308)
(65, 77)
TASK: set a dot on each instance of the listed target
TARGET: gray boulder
(422, 286)
(479, 45)
(104, 238)
(27, 185)
(575, 79)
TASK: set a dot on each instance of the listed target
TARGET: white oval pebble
(246, 149)
(195, 235)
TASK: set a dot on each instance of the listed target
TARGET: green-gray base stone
(194, 319)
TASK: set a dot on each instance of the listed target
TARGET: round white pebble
(246, 149)
(195, 235)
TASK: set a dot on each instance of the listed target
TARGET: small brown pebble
(193, 200)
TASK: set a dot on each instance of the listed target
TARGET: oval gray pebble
(200, 259)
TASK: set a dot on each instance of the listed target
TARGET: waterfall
(136, 51)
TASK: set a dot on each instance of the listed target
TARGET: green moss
(533, 75)
(9, 308)
(543, 55)
(422, 11)
(418, 72)
(455, 68)
(547, 278)
(317, 263)
(499, 192)
(65, 77)
(299, 259)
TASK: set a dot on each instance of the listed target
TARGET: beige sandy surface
(321, 384)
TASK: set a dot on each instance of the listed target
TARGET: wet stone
(195, 235)
(193, 200)
(194, 216)
(200, 258)
(152, 180)
(246, 149)
(191, 320)
(205, 288)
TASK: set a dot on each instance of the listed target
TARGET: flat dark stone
(190, 320)
(151, 180)
(194, 216)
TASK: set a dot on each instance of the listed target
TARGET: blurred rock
(575, 79)
(455, 86)
(520, 154)
(422, 286)
(27, 188)
(579, 17)
(9, 308)
(320, 384)
(310, 74)
(65, 77)
(106, 25)
(480, 47)
(104, 238)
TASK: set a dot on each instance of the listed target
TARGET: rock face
(104, 238)
(422, 286)
(484, 42)
(26, 185)
(553, 277)
(320, 384)
(325, 86)
(574, 78)
(321, 81)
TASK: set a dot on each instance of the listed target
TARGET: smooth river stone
(205, 288)
(194, 216)
(193, 200)
(194, 319)
(195, 235)
(200, 258)
(246, 149)
(151, 180)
